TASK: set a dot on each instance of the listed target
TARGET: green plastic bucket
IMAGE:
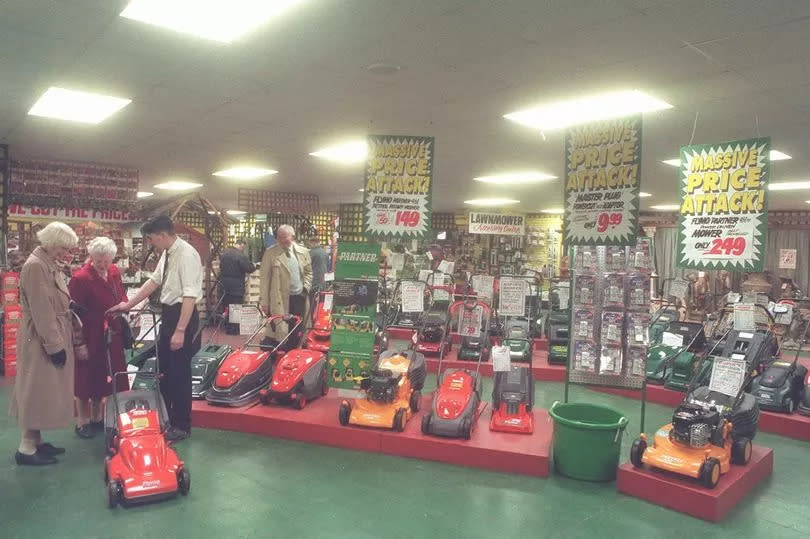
(587, 440)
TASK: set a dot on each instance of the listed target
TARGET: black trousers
(175, 366)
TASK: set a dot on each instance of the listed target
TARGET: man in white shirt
(179, 276)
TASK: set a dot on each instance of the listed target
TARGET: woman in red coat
(97, 286)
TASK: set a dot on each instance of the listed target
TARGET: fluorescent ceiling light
(245, 173)
(666, 207)
(348, 152)
(177, 185)
(76, 106)
(236, 212)
(516, 178)
(556, 211)
(144, 194)
(588, 109)
(642, 194)
(491, 201)
(775, 155)
(362, 190)
(789, 186)
(210, 19)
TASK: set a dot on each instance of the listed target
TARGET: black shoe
(37, 459)
(49, 450)
(85, 431)
(97, 426)
(176, 435)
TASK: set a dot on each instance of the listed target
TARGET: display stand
(689, 497)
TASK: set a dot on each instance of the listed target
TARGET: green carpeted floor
(251, 486)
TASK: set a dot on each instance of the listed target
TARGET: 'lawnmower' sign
(507, 224)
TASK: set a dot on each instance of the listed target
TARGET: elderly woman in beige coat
(43, 390)
(285, 280)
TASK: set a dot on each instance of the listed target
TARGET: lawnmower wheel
(399, 420)
(426, 423)
(637, 452)
(710, 472)
(344, 413)
(741, 451)
(790, 405)
(300, 401)
(264, 399)
(416, 400)
(183, 481)
(324, 384)
(106, 470)
(466, 428)
(115, 493)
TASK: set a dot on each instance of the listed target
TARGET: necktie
(165, 269)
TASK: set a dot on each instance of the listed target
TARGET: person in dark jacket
(320, 263)
(234, 265)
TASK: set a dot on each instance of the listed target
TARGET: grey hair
(56, 235)
(288, 229)
(102, 246)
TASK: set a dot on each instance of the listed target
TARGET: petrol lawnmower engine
(692, 425)
(381, 386)
(432, 333)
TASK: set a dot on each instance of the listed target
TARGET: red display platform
(318, 423)
(541, 368)
(688, 496)
(790, 425)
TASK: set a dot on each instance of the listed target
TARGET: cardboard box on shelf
(11, 280)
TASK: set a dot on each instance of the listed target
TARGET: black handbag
(127, 340)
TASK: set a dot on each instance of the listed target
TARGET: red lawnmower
(141, 465)
(299, 377)
(432, 339)
(454, 409)
(318, 338)
(512, 401)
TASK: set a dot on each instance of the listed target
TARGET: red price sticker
(407, 218)
(606, 220)
(727, 246)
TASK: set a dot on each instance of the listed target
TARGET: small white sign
(446, 267)
(470, 321)
(249, 320)
(678, 288)
(512, 297)
(328, 299)
(148, 326)
(440, 294)
(501, 362)
(787, 258)
(563, 293)
(234, 313)
(744, 316)
(329, 277)
(413, 297)
(397, 261)
(727, 376)
(424, 275)
(483, 285)
(733, 297)
(674, 340)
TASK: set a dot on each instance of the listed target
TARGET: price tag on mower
(501, 362)
(674, 340)
(678, 288)
(728, 375)
(744, 316)
(413, 297)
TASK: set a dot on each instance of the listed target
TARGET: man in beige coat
(285, 279)
(43, 390)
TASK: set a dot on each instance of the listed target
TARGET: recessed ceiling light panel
(178, 185)
(217, 20)
(789, 186)
(245, 173)
(516, 178)
(776, 155)
(588, 109)
(354, 151)
(555, 211)
(666, 207)
(76, 106)
(489, 202)
(642, 194)
(145, 194)
(236, 212)
(672, 162)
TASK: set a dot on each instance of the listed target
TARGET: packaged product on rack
(584, 291)
(637, 360)
(586, 260)
(613, 290)
(585, 353)
(638, 291)
(583, 324)
(612, 322)
(639, 257)
(610, 360)
(638, 324)
(615, 259)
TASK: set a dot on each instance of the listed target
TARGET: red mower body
(299, 377)
(519, 421)
(454, 394)
(144, 467)
(240, 363)
(319, 337)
